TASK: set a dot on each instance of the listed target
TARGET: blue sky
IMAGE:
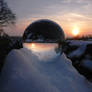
(67, 13)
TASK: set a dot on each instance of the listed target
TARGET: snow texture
(79, 42)
(24, 72)
(79, 52)
(87, 63)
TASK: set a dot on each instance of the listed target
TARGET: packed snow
(79, 42)
(80, 53)
(25, 72)
(87, 64)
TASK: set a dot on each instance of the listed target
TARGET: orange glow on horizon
(69, 28)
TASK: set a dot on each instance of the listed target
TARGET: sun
(75, 31)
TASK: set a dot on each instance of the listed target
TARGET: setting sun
(75, 31)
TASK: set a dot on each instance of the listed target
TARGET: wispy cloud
(64, 12)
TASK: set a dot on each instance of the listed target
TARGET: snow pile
(25, 72)
(82, 52)
(81, 48)
(79, 42)
(87, 64)
(79, 52)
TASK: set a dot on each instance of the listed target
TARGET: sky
(67, 13)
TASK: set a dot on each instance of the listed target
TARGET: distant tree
(6, 15)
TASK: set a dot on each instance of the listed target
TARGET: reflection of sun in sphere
(44, 51)
(38, 47)
(75, 31)
(33, 45)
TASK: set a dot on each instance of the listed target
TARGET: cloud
(64, 12)
(30, 8)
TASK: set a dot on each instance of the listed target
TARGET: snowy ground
(23, 71)
(80, 52)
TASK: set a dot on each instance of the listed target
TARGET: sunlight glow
(44, 51)
(75, 31)
(33, 45)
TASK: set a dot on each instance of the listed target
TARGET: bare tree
(7, 17)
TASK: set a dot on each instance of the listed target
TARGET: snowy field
(28, 70)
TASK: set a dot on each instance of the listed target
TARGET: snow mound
(23, 72)
(87, 63)
(79, 42)
(79, 52)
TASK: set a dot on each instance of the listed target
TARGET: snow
(40, 40)
(87, 63)
(82, 54)
(79, 42)
(25, 72)
(79, 52)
